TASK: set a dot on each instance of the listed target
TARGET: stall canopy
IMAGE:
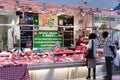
(38, 6)
(90, 3)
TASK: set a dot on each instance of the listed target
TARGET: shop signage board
(45, 39)
(26, 32)
(103, 19)
(26, 36)
(28, 28)
(36, 19)
(108, 20)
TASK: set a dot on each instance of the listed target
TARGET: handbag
(89, 53)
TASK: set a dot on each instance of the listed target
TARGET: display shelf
(68, 35)
(59, 65)
(64, 73)
(72, 52)
(68, 31)
(59, 60)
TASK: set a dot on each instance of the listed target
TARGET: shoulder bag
(90, 53)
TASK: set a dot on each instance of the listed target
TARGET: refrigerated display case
(48, 65)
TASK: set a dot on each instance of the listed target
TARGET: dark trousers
(109, 67)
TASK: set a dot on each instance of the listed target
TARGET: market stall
(44, 27)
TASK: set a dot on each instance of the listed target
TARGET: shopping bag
(89, 54)
(116, 61)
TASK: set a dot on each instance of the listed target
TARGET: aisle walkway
(115, 77)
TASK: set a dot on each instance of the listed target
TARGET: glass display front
(38, 56)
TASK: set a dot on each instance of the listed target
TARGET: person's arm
(83, 44)
(112, 49)
(89, 46)
(109, 43)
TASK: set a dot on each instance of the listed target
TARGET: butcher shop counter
(61, 64)
(66, 70)
(62, 70)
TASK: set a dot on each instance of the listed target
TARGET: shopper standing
(91, 63)
(109, 55)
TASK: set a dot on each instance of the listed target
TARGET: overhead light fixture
(90, 11)
(82, 11)
(17, 4)
(29, 9)
(98, 10)
(44, 9)
(84, 1)
(63, 10)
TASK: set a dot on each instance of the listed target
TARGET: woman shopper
(91, 62)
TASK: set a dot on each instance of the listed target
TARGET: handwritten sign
(26, 38)
(47, 39)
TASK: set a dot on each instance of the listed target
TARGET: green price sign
(46, 39)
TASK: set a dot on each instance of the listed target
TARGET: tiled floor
(115, 77)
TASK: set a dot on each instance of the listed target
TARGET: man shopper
(109, 55)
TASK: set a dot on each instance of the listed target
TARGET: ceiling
(90, 3)
(36, 7)
(50, 6)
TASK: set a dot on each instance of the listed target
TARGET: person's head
(105, 34)
(92, 36)
(81, 38)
